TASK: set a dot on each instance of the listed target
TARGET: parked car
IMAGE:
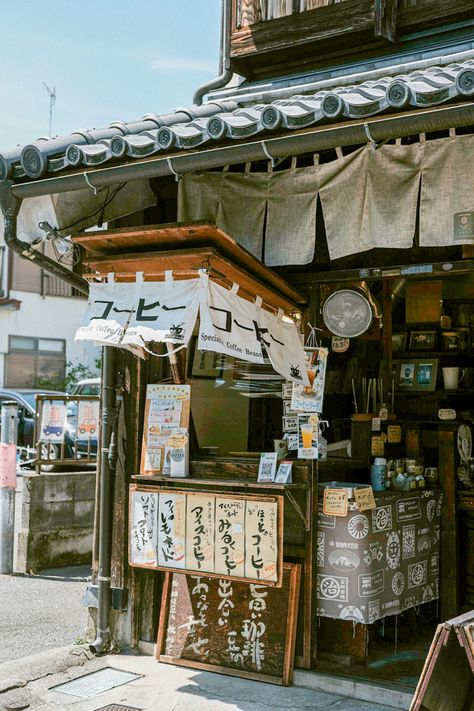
(26, 425)
(87, 386)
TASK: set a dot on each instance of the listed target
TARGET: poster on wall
(237, 537)
(53, 421)
(310, 398)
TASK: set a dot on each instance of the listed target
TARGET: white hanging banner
(229, 324)
(109, 309)
(165, 312)
(283, 346)
(239, 328)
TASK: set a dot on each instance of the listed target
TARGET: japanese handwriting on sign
(144, 527)
(197, 641)
(225, 606)
(262, 335)
(261, 541)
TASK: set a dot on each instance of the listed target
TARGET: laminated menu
(165, 429)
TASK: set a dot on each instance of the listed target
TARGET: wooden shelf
(194, 481)
(438, 394)
(431, 354)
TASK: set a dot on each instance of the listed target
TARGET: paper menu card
(167, 409)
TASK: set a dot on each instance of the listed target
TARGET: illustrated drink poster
(310, 398)
(53, 421)
(230, 537)
(200, 532)
(261, 540)
(229, 626)
(144, 529)
(171, 530)
(87, 419)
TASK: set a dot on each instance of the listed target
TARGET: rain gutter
(350, 133)
(225, 73)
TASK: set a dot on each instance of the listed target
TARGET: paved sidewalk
(29, 681)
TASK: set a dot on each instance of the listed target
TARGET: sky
(108, 60)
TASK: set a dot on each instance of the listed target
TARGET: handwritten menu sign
(222, 625)
(238, 537)
(144, 515)
(364, 498)
(335, 502)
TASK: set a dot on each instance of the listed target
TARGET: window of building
(35, 363)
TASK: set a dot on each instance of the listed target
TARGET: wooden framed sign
(239, 537)
(230, 627)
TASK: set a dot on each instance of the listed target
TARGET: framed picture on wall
(204, 364)
(399, 342)
(417, 374)
(422, 340)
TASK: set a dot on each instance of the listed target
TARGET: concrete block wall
(57, 520)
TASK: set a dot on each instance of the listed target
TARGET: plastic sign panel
(87, 419)
(53, 421)
(8, 465)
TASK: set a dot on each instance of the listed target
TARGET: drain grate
(118, 707)
(89, 685)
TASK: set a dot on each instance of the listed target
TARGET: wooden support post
(386, 19)
(449, 593)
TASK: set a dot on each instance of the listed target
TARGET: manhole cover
(118, 707)
(89, 685)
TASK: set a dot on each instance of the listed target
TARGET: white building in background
(39, 315)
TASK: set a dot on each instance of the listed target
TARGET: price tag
(377, 446)
(383, 414)
(335, 502)
(375, 424)
(364, 498)
(394, 433)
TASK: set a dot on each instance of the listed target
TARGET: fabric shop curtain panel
(369, 200)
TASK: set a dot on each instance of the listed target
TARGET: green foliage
(73, 373)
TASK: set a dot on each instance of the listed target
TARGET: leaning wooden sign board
(230, 627)
(226, 536)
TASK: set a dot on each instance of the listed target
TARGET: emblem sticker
(408, 541)
(398, 583)
(417, 574)
(382, 519)
(358, 526)
(408, 509)
(331, 587)
(320, 548)
(393, 550)
(344, 560)
(371, 584)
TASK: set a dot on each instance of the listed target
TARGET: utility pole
(8, 441)
(52, 101)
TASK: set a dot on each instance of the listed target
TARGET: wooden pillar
(449, 592)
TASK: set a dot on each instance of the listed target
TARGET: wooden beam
(386, 19)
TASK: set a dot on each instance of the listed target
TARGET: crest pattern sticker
(382, 518)
(398, 583)
(417, 574)
(358, 526)
(408, 541)
(331, 587)
(393, 550)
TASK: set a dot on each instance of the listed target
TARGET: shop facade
(357, 190)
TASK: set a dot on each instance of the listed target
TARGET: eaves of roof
(223, 123)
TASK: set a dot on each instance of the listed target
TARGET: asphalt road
(41, 612)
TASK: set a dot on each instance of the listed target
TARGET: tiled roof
(225, 121)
